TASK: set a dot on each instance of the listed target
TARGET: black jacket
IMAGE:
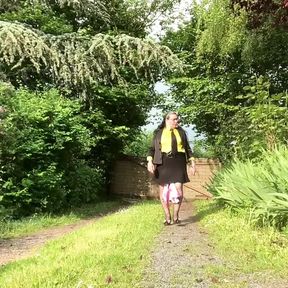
(155, 149)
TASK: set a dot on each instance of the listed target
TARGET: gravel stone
(182, 255)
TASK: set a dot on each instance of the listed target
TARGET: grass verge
(110, 252)
(248, 250)
(25, 226)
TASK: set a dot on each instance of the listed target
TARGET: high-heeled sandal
(177, 221)
(167, 222)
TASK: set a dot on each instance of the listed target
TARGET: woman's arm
(151, 151)
(190, 155)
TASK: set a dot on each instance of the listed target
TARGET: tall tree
(236, 75)
(95, 51)
(80, 47)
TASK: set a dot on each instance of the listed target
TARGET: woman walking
(167, 160)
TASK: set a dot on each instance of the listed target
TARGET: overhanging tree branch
(73, 59)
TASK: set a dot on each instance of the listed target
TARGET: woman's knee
(179, 187)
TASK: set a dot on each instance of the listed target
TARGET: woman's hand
(151, 167)
(192, 168)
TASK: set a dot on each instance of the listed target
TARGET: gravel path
(182, 256)
(173, 262)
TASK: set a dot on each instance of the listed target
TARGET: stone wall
(131, 178)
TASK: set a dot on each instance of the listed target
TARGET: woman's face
(172, 121)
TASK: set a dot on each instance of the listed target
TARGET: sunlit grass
(113, 251)
(246, 249)
(15, 228)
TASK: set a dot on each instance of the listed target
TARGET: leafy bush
(140, 145)
(202, 149)
(43, 137)
(84, 183)
(262, 124)
(260, 187)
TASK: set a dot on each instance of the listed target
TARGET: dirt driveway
(18, 248)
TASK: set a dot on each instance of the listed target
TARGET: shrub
(84, 183)
(139, 145)
(261, 187)
(202, 149)
(43, 136)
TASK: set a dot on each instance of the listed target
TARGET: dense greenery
(43, 146)
(83, 74)
(234, 86)
(234, 90)
(78, 83)
(259, 187)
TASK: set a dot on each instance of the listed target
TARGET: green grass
(113, 250)
(29, 225)
(250, 250)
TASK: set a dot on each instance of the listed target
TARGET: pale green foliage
(105, 56)
(219, 29)
(76, 60)
(18, 43)
(261, 187)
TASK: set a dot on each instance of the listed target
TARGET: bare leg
(179, 187)
(165, 205)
